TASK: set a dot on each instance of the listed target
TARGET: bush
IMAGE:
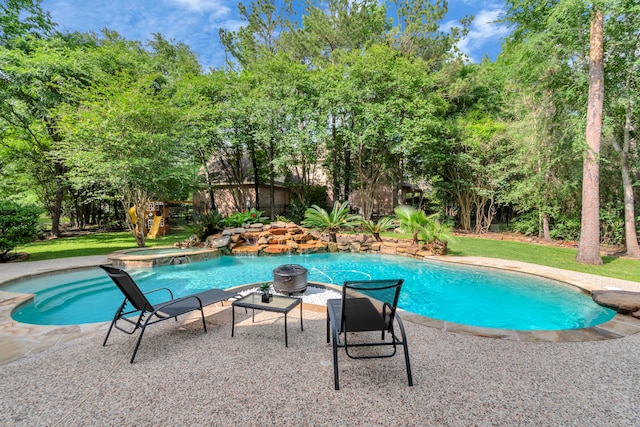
(527, 224)
(211, 223)
(313, 195)
(18, 226)
(562, 228)
(241, 218)
(295, 212)
(612, 225)
(565, 229)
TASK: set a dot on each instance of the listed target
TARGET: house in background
(410, 194)
(233, 189)
(232, 198)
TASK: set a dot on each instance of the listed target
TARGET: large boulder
(217, 241)
(624, 302)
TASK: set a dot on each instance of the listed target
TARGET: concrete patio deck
(63, 376)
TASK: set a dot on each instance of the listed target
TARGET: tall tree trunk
(207, 177)
(59, 172)
(631, 237)
(589, 247)
(272, 175)
(56, 209)
(256, 180)
(335, 169)
(397, 184)
(347, 173)
(546, 233)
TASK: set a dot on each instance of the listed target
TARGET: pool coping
(18, 340)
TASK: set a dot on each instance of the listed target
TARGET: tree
(589, 246)
(128, 134)
(332, 29)
(23, 18)
(418, 31)
(562, 75)
(41, 74)
(621, 74)
(260, 37)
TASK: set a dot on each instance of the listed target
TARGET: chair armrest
(160, 289)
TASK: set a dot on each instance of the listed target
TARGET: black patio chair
(366, 306)
(136, 303)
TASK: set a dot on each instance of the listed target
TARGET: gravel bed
(183, 376)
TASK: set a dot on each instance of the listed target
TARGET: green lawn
(564, 258)
(104, 243)
(95, 244)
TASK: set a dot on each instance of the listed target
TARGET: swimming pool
(461, 294)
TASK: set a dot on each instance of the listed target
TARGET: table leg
(286, 341)
(301, 325)
(233, 318)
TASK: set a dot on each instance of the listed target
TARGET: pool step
(58, 295)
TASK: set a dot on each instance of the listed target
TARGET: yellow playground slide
(154, 227)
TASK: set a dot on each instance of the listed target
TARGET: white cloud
(231, 24)
(484, 34)
(217, 6)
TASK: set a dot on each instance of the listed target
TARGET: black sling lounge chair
(148, 313)
(366, 306)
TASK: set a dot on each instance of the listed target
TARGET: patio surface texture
(62, 376)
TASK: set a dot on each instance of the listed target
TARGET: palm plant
(385, 223)
(436, 235)
(338, 219)
(412, 220)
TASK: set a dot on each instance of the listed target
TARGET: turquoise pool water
(471, 296)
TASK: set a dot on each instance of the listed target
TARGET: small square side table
(279, 304)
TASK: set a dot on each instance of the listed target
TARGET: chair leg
(327, 326)
(406, 359)
(113, 322)
(336, 380)
(406, 351)
(204, 324)
(142, 329)
(108, 333)
(135, 350)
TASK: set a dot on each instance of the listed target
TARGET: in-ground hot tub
(161, 255)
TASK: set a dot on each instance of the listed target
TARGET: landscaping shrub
(611, 225)
(313, 195)
(527, 224)
(18, 226)
(239, 219)
(211, 223)
(295, 212)
(565, 229)
(562, 228)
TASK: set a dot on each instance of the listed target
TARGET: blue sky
(196, 22)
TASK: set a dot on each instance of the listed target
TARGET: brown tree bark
(631, 237)
(56, 209)
(589, 247)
